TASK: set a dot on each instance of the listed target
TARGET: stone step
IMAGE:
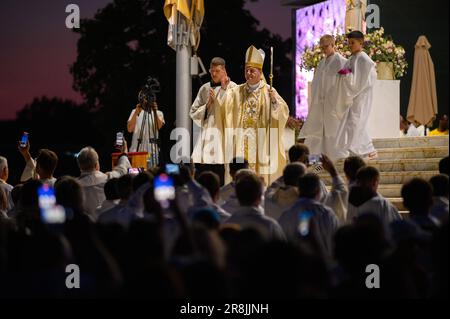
(389, 177)
(398, 202)
(387, 190)
(401, 142)
(402, 165)
(404, 213)
(412, 152)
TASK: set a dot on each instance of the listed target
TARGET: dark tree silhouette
(60, 125)
(57, 123)
(127, 41)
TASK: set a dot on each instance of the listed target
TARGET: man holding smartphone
(42, 167)
(208, 121)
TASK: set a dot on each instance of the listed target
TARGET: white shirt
(148, 130)
(324, 218)
(253, 217)
(377, 205)
(7, 190)
(93, 184)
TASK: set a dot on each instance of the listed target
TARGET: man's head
(237, 164)
(254, 60)
(88, 160)
(369, 177)
(443, 123)
(211, 182)
(417, 196)
(309, 186)
(125, 187)
(351, 166)
(444, 166)
(327, 44)
(217, 69)
(299, 153)
(249, 190)
(355, 41)
(4, 171)
(253, 75)
(46, 163)
(292, 173)
(69, 193)
(440, 185)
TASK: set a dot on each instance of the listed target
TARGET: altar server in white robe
(324, 219)
(353, 98)
(320, 128)
(365, 199)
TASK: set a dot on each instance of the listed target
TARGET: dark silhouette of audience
(128, 244)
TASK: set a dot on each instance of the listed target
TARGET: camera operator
(134, 124)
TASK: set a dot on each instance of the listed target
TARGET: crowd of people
(294, 238)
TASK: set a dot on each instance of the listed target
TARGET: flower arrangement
(378, 46)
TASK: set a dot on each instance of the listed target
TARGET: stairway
(401, 159)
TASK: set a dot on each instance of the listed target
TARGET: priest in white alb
(250, 110)
(322, 123)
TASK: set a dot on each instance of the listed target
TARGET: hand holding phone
(134, 171)
(51, 213)
(172, 169)
(304, 219)
(314, 159)
(24, 140)
(164, 189)
(119, 139)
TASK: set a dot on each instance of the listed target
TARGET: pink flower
(344, 71)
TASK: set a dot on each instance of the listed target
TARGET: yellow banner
(180, 5)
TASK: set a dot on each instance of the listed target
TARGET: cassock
(322, 123)
(353, 98)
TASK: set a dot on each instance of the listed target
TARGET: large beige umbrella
(422, 108)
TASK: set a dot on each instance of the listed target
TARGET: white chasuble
(249, 114)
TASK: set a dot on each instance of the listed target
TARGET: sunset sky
(37, 48)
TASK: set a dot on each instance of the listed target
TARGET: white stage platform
(384, 119)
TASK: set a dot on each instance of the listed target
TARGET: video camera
(147, 94)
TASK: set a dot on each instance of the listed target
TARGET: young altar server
(320, 128)
(354, 99)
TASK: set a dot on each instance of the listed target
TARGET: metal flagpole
(183, 81)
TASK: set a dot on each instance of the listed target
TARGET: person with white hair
(319, 130)
(93, 180)
(4, 174)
